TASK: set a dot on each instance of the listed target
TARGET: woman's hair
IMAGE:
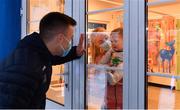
(95, 50)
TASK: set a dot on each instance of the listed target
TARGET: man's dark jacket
(26, 74)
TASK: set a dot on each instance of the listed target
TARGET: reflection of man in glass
(26, 74)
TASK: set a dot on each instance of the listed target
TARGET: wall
(178, 53)
(113, 19)
(10, 26)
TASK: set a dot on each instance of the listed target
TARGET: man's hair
(118, 31)
(53, 23)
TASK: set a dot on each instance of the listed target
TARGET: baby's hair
(119, 31)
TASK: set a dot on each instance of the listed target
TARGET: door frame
(23, 18)
(78, 66)
(134, 53)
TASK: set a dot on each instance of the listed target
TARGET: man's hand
(80, 48)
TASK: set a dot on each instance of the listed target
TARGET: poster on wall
(161, 45)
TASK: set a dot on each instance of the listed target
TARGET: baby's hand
(111, 63)
(116, 55)
(110, 51)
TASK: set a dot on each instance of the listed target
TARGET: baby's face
(116, 42)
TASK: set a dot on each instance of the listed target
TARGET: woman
(99, 44)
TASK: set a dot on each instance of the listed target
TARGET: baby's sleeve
(116, 76)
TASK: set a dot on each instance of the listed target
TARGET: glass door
(163, 39)
(58, 94)
(104, 74)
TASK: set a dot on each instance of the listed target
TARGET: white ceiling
(171, 9)
(155, 11)
(114, 2)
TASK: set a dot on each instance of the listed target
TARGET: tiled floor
(56, 93)
(163, 98)
(158, 98)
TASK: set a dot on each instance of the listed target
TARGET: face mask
(66, 51)
(106, 45)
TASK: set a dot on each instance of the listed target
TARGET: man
(26, 74)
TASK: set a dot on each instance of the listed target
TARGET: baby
(114, 57)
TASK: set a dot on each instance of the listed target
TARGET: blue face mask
(66, 51)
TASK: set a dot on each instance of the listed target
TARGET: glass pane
(103, 4)
(56, 89)
(163, 55)
(105, 59)
(37, 9)
(152, 1)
